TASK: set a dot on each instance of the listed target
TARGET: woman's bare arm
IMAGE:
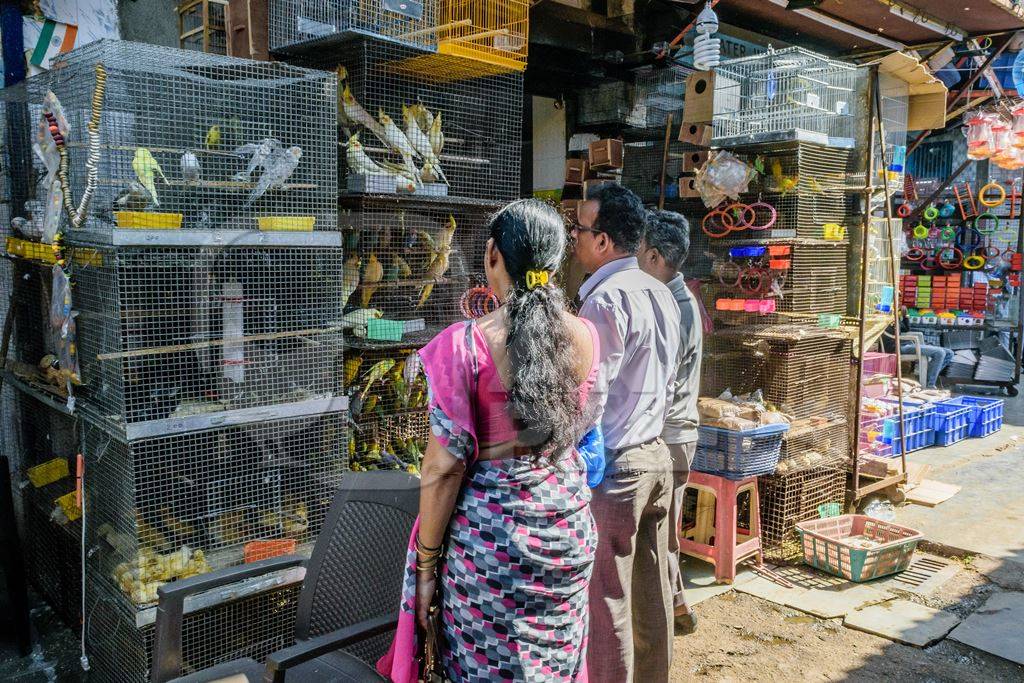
(440, 481)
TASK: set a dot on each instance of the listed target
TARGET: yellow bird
(146, 169)
(373, 274)
(213, 137)
(349, 278)
(440, 250)
(352, 366)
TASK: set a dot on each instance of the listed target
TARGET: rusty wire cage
(803, 371)
(180, 337)
(305, 27)
(479, 120)
(170, 506)
(795, 497)
(789, 94)
(189, 141)
(416, 259)
(249, 619)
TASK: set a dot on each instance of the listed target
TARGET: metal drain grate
(925, 574)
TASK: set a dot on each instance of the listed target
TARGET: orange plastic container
(264, 550)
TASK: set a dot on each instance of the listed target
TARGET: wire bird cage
(658, 92)
(244, 622)
(795, 497)
(168, 507)
(416, 258)
(894, 95)
(191, 141)
(790, 94)
(181, 337)
(202, 26)
(804, 371)
(476, 124)
(305, 27)
(52, 550)
(604, 104)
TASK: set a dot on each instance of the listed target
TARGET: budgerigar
(349, 278)
(373, 274)
(397, 141)
(190, 168)
(421, 144)
(133, 198)
(278, 170)
(440, 250)
(355, 112)
(376, 372)
(213, 137)
(146, 169)
(260, 156)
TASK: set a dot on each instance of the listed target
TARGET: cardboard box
(696, 134)
(576, 171)
(699, 100)
(687, 187)
(605, 154)
(694, 160)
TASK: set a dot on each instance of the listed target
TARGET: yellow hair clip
(537, 278)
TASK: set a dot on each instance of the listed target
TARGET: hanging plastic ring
(947, 210)
(951, 264)
(984, 190)
(991, 216)
(744, 223)
(974, 262)
(929, 262)
(988, 251)
(921, 231)
(948, 233)
(903, 210)
(773, 215)
(730, 282)
(751, 275)
(708, 224)
(914, 254)
(931, 213)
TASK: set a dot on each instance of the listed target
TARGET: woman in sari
(505, 533)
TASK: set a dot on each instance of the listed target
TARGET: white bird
(190, 167)
(397, 141)
(358, 160)
(278, 170)
(421, 144)
(259, 155)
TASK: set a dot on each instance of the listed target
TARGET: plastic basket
(918, 418)
(875, 363)
(831, 545)
(47, 472)
(952, 421)
(738, 454)
(986, 415)
(255, 551)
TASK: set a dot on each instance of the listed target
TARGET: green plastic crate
(380, 329)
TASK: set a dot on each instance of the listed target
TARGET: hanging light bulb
(707, 51)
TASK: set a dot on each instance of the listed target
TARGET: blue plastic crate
(918, 418)
(952, 421)
(986, 415)
(738, 454)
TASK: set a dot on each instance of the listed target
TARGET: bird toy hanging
(58, 131)
(478, 302)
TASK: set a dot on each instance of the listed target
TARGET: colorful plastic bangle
(985, 189)
(726, 226)
(987, 251)
(931, 213)
(974, 262)
(947, 210)
(950, 264)
(903, 210)
(773, 214)
(914, 254)
(731, 283)
(929, 262)
(741, 210)
(948, 233)
(920, 231)
(751, 275)
(988, 215)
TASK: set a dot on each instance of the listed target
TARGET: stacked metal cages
(177, 505)
(192, 141)
(787, 499)
(657, 93)
(473, 125)
(790, 94)
(175, 338)
(202, 26)
(303, 27)
(250, 619)
(803, 371)
(411, 260)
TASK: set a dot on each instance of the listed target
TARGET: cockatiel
(421, 144)
(146, 169)
(436, 135)
(440, 250)
(376, 372)
(278, 170)
(358, 161)
(133, 198)
(190, 168)
(397, 141)
(260, 155)
(355, 112)
(373, 274)
(349, 278)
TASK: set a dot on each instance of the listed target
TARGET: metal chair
(917, 339)
(350, 596)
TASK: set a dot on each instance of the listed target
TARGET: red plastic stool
(715, 541)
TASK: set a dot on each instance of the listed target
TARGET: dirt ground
(743, 638)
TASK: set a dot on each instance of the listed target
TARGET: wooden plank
(930, 492)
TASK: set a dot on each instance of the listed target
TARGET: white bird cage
(790, 94)
(895, 105)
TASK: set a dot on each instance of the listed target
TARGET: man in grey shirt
(662, 253)
(637, 320)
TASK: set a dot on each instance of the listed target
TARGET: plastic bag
(881, 509)
(62, 324)
(591, 449)
(722, 176)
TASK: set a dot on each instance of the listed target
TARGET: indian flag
(54, 39)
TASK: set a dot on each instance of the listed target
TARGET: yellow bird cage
(476, 38)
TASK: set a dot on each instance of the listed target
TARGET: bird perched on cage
(278, 170)
(355, 112)
(349, 278)
(431, 171)
(146, 169)
(213, 137)
(398, 142)
(260, 156)
(436, 135)
(373, 274)
(376, 372)
(782, 183)
(132, 198)
(399, 269)
(352, 365)
(440, 250)
(190, 168)
(360, 163)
